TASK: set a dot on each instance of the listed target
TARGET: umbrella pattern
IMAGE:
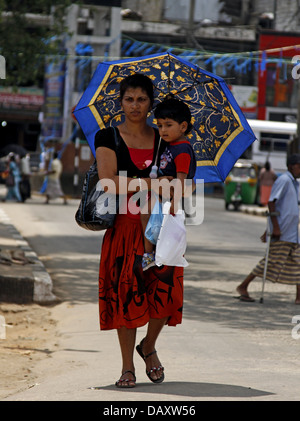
(220, 132)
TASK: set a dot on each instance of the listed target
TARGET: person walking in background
(25, 187)
(13, 179)
(266, 180)
(54, 189)
(284, 254)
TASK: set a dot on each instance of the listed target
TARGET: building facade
(249, 43)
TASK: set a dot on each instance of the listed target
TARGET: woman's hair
(176, 110)
(138, 80)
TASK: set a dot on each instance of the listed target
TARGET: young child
(178, 160)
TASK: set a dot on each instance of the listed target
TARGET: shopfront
(19, 117)
(277, 88)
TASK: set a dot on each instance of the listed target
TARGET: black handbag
(10, 180)
(95, 208)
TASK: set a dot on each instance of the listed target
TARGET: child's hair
(176, 110)
(138, 80)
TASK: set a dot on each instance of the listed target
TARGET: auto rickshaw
(241, 184)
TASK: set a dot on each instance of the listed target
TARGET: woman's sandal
(127, 385)
(139, 349)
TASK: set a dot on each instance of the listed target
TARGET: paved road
(224, 349)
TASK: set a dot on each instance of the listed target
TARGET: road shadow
(211, 295)
(191, 389)
(75, 279)
(208, 299)
(213, 306)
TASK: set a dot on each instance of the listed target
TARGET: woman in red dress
(128, 297)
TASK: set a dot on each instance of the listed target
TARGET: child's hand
(172, 208)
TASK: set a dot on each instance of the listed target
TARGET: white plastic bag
(171, 243)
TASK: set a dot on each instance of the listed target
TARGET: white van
(271, 144)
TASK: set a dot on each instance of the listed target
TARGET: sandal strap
(160, 367)
(140, 350)
(128, 380)
(150, 353)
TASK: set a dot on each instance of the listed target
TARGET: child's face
(170, 130)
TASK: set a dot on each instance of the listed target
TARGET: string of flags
(219, 63)
(241, 62)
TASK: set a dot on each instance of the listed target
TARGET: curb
(260, 211)
(20, 289)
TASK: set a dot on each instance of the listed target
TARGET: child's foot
(148, 260)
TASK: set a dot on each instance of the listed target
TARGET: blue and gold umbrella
(220, 132)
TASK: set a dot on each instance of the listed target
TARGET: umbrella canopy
(220, 132)
(14, 148)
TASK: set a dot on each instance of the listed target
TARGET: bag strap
(116, 138)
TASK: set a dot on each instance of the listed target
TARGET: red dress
(128, 296)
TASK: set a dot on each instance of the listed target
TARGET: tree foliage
(25, 41)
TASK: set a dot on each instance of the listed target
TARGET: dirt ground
(29, 336)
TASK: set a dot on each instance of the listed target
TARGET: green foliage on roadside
(25, 40)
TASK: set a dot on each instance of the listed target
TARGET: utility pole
(115, 33)
(191, 16)
(190, 23)
(245, 11)
(70, 69)
(99, 41)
